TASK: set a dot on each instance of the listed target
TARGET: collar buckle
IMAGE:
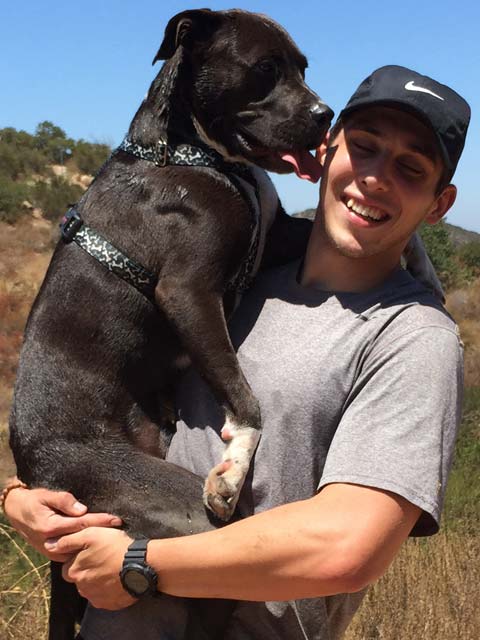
(70, 225)
(162, 152)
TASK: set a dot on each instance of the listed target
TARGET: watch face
(134, 580)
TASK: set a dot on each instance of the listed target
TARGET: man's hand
(96, 566)
(41, 514)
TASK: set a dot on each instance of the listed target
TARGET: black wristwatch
(137, 577)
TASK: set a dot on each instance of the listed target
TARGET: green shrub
(441, 252)
(55, 197)
(462, 507)
(89, 156)
(10, 163)
(469, 254)
(12, 196)
(18, 156)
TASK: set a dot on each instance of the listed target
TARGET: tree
(18, 155)
(53, 142)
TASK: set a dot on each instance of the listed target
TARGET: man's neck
(325, 267)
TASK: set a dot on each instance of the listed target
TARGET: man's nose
(375, 176)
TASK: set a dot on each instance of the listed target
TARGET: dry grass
(24, 589)
(430, 592)
(25, 251)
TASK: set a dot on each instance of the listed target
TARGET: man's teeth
(365, 212)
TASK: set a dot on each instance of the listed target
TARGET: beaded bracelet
(12, 483)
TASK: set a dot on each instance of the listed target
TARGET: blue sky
(87, 65)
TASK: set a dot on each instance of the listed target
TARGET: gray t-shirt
(356, 388)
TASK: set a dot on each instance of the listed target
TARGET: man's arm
(338, 541)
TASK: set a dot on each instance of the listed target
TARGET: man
(358, 372)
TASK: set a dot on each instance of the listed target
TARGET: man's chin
(348, 246)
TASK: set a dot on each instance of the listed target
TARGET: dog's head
(246, 88)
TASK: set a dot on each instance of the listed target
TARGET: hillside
(459, 236)
(45, 171)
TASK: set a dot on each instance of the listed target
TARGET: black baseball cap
(438, 106)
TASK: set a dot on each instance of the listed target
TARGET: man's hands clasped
(60, 527)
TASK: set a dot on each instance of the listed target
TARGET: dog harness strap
(73, 229)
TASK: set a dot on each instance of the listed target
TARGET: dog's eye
(266, 66)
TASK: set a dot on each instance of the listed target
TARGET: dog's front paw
(220, 494)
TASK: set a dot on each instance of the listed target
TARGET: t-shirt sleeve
(399, 423)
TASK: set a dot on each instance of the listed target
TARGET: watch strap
(137, 551)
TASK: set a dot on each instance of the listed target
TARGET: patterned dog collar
(163, 154)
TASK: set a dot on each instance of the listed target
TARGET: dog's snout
(321, 113)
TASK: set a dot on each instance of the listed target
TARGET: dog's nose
(321, 113)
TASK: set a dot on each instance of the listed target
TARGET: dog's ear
(186, 28)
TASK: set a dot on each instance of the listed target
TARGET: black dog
(180, 213)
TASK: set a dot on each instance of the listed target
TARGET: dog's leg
(64, 605)
(198, 318)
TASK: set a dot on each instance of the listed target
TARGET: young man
(358, 370)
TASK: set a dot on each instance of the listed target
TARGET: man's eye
(361, 146)
(411, 169)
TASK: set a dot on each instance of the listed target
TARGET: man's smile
(366, 212)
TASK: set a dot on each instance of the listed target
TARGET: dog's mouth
(302, 161)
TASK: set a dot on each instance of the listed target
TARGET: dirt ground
(25, 251)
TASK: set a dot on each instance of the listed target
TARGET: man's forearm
(305, 549)
(276, 555)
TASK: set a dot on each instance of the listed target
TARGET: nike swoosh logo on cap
(410, 86)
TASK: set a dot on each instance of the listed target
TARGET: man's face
(381, 175)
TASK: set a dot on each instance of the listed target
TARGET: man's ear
(442, 204)
(321, 151)
(185, 28)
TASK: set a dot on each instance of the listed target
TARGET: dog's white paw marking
(225, 481)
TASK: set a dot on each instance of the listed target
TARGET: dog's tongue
(305, 165)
